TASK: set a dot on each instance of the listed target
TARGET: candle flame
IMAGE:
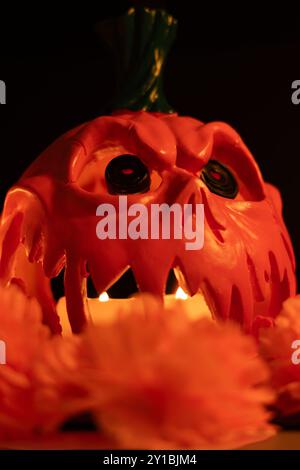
(103, 297)
(180, 294)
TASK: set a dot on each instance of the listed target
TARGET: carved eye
(127, 174)
(219, 179)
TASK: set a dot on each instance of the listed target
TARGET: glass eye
(219, 179)
(127, 174)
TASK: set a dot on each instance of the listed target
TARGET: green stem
(141, 40)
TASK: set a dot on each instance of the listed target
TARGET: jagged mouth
(103, 306)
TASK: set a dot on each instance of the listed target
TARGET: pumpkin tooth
(75, 291)
(104, 281)
(152, 273)
(181, 279)
(107, 265)
(188, 275)
(213, 300)
(54, 258)
(10, 243)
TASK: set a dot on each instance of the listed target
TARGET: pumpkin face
(246, 267)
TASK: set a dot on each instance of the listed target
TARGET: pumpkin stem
(141, 40)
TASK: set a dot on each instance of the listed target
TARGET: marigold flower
(59, 378)
(24, 335)
(276, 348)
(152, 378)
(159, 380)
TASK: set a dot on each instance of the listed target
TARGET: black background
(235, 65)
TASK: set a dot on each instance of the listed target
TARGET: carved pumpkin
(246, 267)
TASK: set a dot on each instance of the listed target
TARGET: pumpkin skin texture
(245, 268)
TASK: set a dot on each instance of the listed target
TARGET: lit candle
(195, 307)
(104, 310)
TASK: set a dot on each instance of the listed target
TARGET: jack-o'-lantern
(151, 154)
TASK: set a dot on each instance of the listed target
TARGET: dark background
(232, 65)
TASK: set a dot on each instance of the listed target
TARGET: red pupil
(127, 171)
(216, 175)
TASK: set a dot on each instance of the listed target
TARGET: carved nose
(182, 187)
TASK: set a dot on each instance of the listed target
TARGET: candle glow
(104, 297)
(180, 294)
